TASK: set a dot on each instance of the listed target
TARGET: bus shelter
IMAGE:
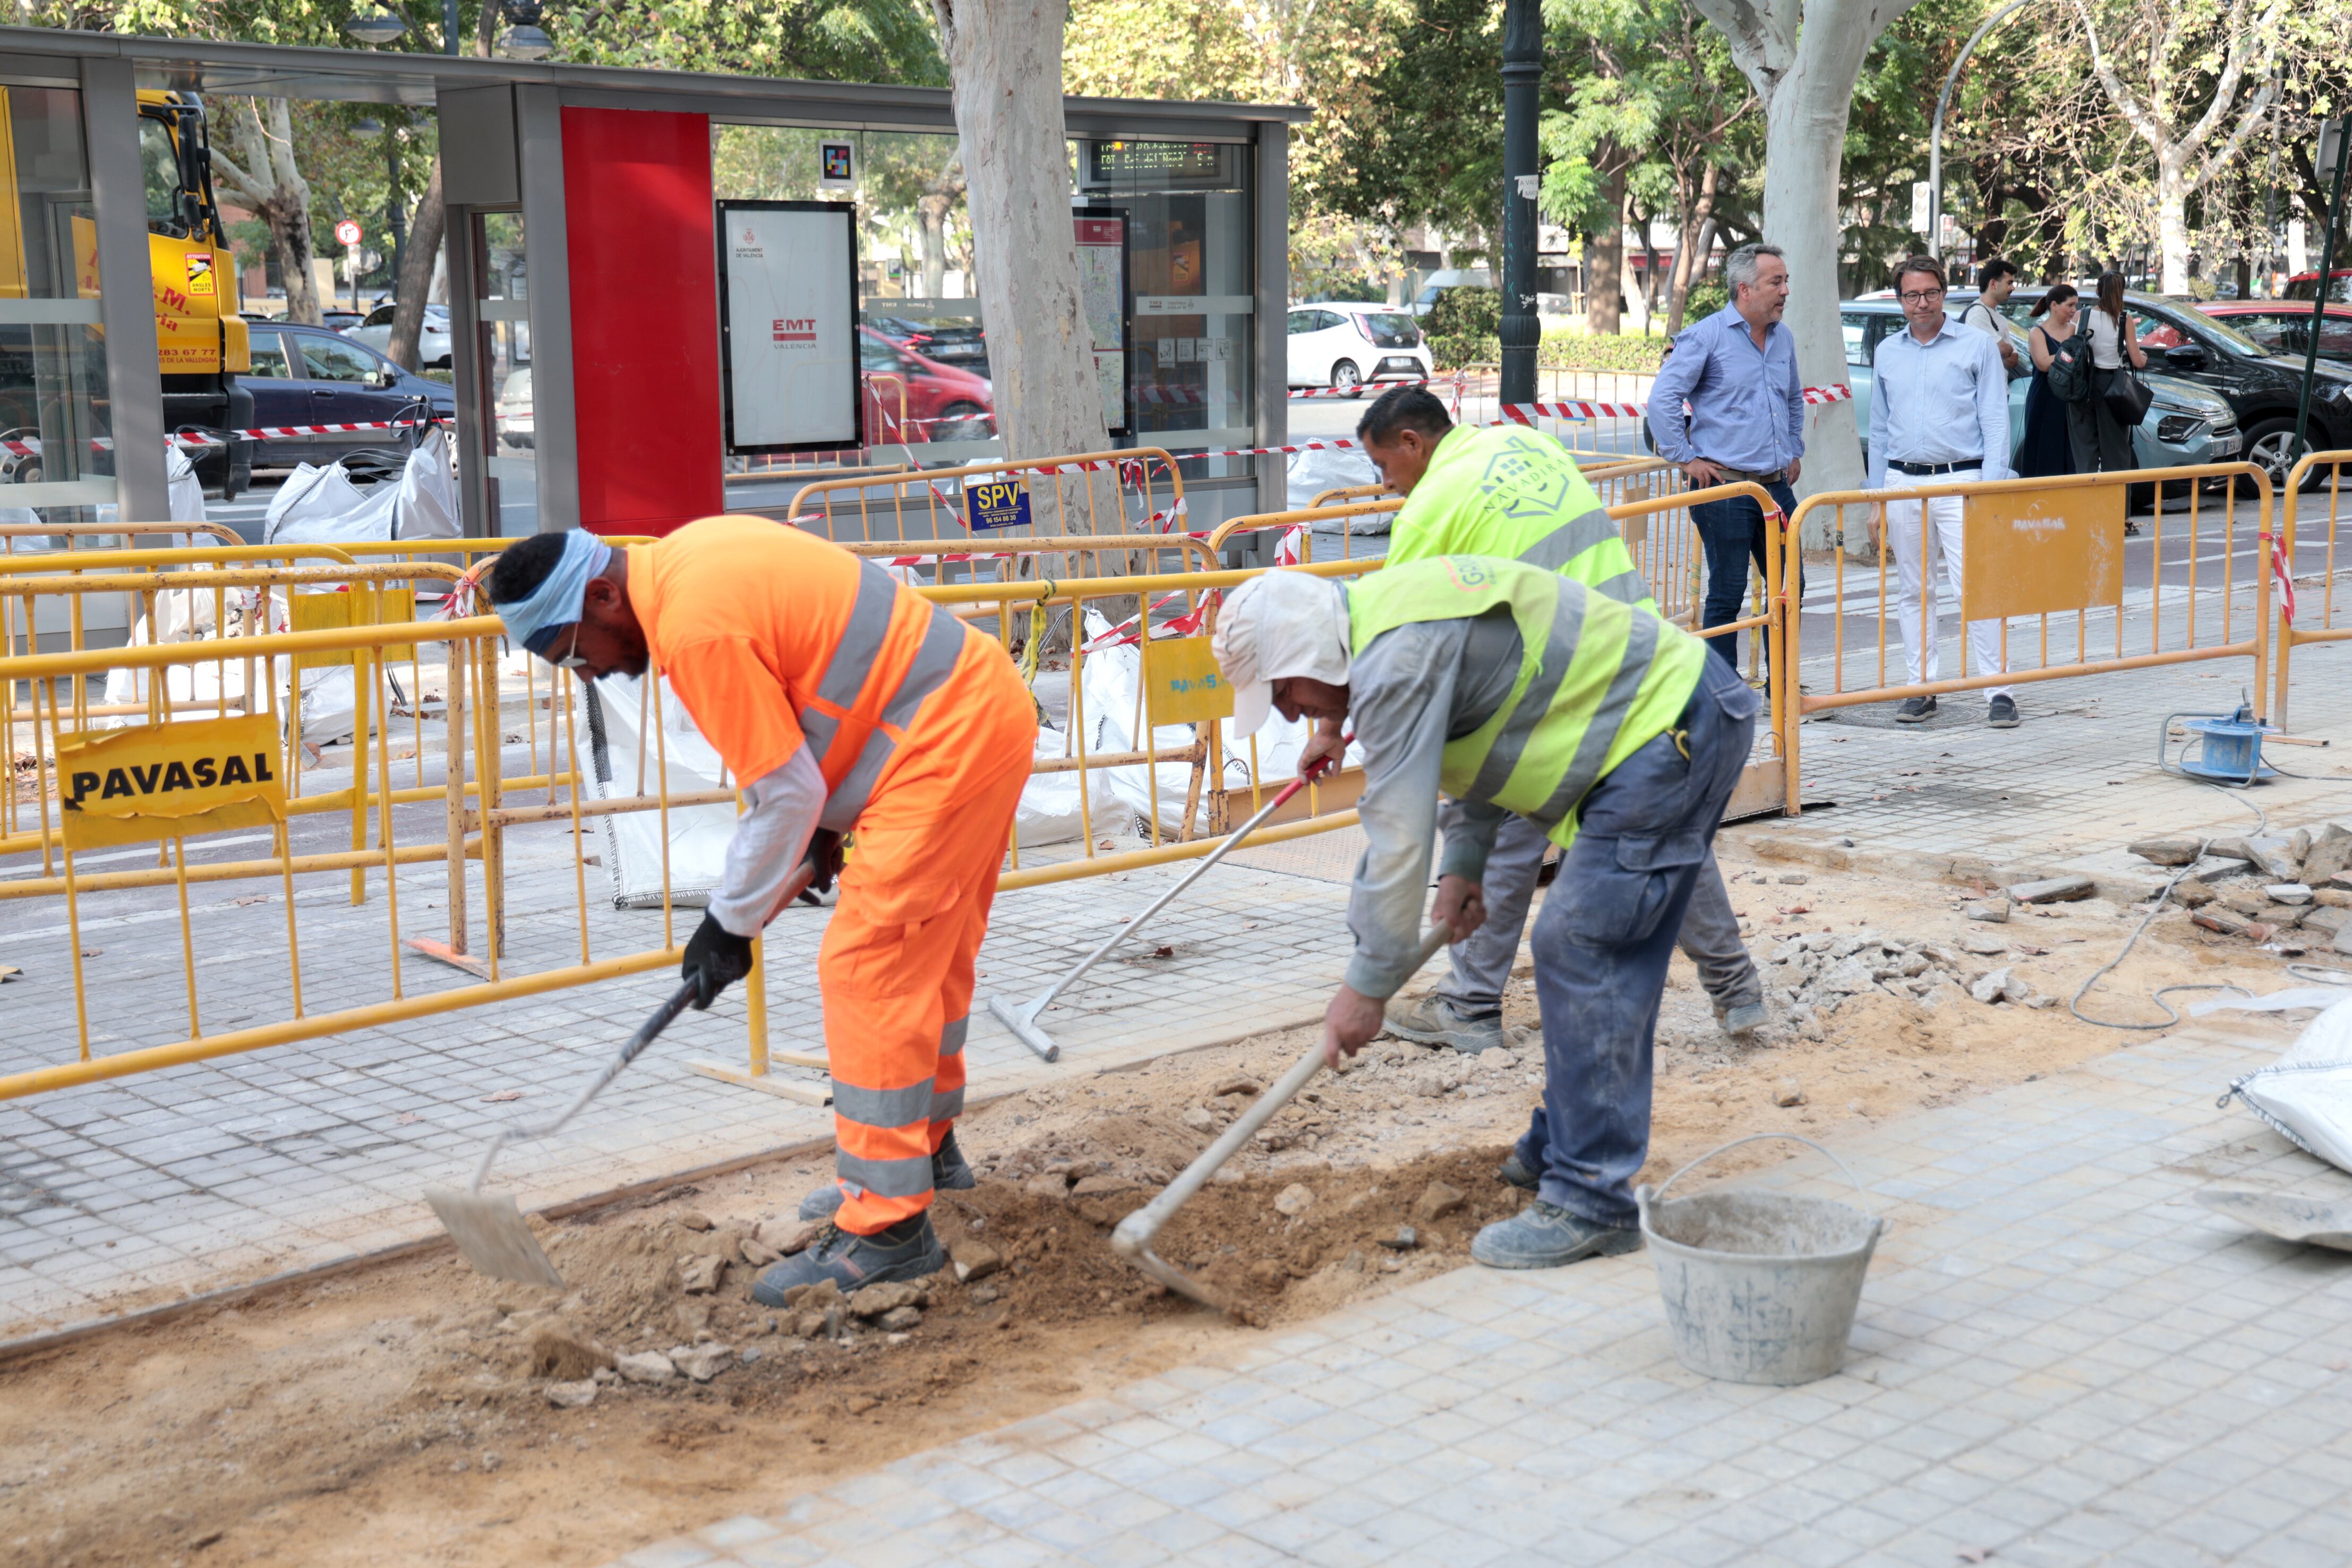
(624, 247)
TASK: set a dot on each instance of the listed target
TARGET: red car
(2284, 326)
(2305, 285)
(912, 400)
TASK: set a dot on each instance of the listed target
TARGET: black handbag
(2127, 397)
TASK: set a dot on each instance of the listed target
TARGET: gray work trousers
(1482, 966)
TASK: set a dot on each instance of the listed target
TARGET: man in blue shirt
(1737, 370)
(1938, 414)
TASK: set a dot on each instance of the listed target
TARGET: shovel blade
(492, 1234)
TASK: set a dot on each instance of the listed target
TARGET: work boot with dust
(908, 1250)
(1742, 1021)
(1544, 1236)
(1434, 1022)
(951, 1172)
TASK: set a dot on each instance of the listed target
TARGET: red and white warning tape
(31, 448)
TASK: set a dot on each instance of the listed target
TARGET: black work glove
(824, 854)
(714, 959)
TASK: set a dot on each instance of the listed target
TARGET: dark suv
(2262, 386)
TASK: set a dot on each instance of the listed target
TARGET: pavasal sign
(169, 781)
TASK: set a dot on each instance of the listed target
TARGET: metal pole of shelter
(1935, 131)
(1522, 74)
(2342, 130)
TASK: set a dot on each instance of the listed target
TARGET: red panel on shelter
(645, 318)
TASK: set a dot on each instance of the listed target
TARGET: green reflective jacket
(1516, 494)
(1598, 679)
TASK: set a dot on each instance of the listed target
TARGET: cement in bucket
(1758, 1287)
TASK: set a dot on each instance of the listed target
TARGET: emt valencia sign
(168, 780)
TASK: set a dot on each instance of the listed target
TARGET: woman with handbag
(2048, 450)
(2102, 440)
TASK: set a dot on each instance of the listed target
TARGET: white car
(431, 341)
(1343, 346)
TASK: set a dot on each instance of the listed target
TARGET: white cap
(1275, 627)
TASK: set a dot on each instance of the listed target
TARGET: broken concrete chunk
(1046, 1187)
(1847, 978)
(873, 1300)
(704, 1362)
(573, 1396)
(1992, 985)
(898, 1319)
(2327, 920)
(1792, 879)
(1295, 1199)
(646, 1366)
(1789, 1093)
(1437, 1201)
(700, 1275)
(816, 1296)
(2166, 852)
(2279, 915)
(2189, 892)
(2216, 919)
(2288, 893)
(1990, 911)
(2014, 989)
(974, 1260)
(2244, 903)
(694, 1220)
(1983, 944)
(785, 1236)
(2330, 854)
(2053, 889)
(2041, 1001)
(1404, 1241)
(1239, 1086)
(1201, 1119)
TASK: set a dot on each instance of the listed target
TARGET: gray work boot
(1742, 1021)
(908, 1250)
(1512, 1171)
(1541, 1236)
(950, 1173)
(1434, 1021)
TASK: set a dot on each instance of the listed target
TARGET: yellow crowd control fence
(1135, 491)
(2308, 562)
(2039, 567)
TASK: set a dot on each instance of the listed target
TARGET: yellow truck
(201, 342)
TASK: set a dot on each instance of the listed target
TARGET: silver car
(431, 338)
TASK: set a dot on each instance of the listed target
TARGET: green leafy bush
(1465, 312)
(1706, 299)
(1585, 351)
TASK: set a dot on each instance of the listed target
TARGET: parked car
(962, 345)
(374, 329)
(1446, 281)
(2283, 327)
(942, 403)
(309, 375)
(1342, 345)
(2261, 385)
(2305, 285)
(516, 426)
(2186, 423)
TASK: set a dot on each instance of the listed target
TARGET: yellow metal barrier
(2035, 548)
(1138, 491)
(2300, 620)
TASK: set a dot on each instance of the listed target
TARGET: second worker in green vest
(1516, 691)
(1516, 493)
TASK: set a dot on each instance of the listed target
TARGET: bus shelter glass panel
(510, 459)
(1191, 280)
(58, 465)
(922, 352)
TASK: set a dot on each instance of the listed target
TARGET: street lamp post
(1522, 73)
(1936, 133)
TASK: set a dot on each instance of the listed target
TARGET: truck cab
(201, 342)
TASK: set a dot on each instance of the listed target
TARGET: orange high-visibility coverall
(775, 639)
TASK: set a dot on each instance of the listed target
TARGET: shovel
(1132, 1239)
(1021, 1018)
(487, 1226)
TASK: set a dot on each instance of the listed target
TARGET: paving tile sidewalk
(2060, 1360)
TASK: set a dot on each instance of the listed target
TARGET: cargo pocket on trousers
(1622, 899)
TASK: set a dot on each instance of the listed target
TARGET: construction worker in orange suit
(840, 699)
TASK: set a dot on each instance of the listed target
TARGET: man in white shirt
(1938, 415)
(1994, 282)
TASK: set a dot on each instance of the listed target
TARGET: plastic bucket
(1758, 1287)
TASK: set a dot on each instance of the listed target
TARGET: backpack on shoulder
(2070, 367)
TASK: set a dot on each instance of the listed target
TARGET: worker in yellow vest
(1513, 689)
(1515, 492)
